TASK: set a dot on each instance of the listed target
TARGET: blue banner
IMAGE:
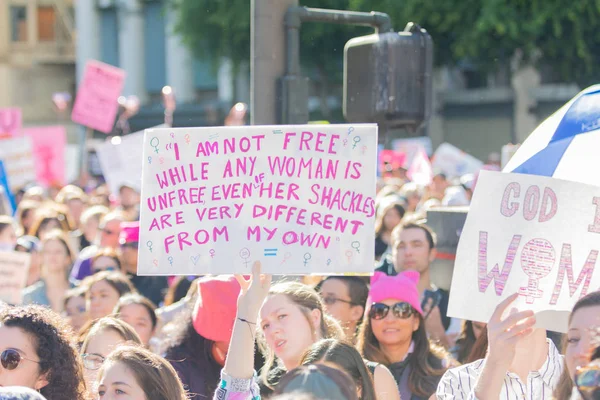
(7, 200)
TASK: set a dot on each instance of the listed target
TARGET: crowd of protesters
(89, 327)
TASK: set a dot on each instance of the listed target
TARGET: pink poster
(49, 144)
(10, 121)
(96, 104)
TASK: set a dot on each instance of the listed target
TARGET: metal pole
(267, 58)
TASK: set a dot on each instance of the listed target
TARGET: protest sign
(411, 146)
(96, 104)
(454, 162)
(121, 162)
(531, 235)
(298, 198)
(49, 153)
(7, 200)
(14, 267)
(10, 121)
(17, 154)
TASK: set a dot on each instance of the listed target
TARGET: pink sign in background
(96, 104)
(49, 144)
(10, 121)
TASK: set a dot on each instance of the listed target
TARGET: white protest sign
(298, 198)
(17, 154)
(454, 162)
(411, 146)
(14, 267)
(531, 235)
(121, 161)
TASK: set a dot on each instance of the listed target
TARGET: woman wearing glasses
(36, 351)
(103, 337)
(393, 334)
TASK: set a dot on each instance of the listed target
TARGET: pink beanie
(402, 287)
(216, 307)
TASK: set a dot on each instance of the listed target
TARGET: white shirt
(459, 383)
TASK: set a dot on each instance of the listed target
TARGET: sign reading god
(298, 198)
(531, 235)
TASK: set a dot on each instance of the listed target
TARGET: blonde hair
(307, 299)
(125, 330)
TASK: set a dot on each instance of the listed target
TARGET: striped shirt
(459, 383)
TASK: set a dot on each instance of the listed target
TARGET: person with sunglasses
(106, 259)
(37, 351)
(584, 323)
(393, 334)
(345, 298)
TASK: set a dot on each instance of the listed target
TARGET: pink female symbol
(537, 260)
(349, 255)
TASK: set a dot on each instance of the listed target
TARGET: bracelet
(246, 321)
(249, 325)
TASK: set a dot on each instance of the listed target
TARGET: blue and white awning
(567, 144)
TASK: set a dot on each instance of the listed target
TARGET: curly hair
(52, 340)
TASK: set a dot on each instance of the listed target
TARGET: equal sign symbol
(277, 132)
(270, 252)
(211, 137)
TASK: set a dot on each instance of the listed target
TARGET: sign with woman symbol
(245, 255)
(356, 246)
(154, 142)
(349, 255)
(356, 140)
(307, 258)
(537, 260)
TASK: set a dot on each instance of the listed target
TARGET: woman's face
(105, 263)
(99, 347)
(138, 317)
(118, 383)
(391, 219)
(579, 336)
(55, 257)
(287, 329)
(8, 237)
(76, 313)
(478, 328)
(48, 226)
(392, 330)
(27, 372)
(90, 229)
(102, 300)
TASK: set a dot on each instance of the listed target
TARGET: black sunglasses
(400, 310)
(330, 300)
(131, 245)
(587, 380)
(11, 358)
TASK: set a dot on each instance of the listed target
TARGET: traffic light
(388, 78)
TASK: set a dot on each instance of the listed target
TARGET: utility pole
(267, 58)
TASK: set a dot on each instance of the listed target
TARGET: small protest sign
(17, 154)
(96, 104)
(49, 153)
(7, 200)
(14, 267)
(10, 121)
(121, 162)
(454, 162)
(298, 198)
(531, 235)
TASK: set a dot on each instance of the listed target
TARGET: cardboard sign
(14, 267)
(122, 162)
(96, 104)
(17, 154)
(49, 153)
(454, 162)
(11, 121)
(531, 235)
(298, 198)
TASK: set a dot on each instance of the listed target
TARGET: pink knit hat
(216, 307)
(130, 232)
(402, 287)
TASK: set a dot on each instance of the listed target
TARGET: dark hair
(357, 288)
(136, 298)
(479, 349)
(429, 233)
(320, 381)
(107, 252)
(61, 237)
(178, 290)
(465, 342)
(565, 384)
(115, 279)
(157, 378)
(424, 374)
(379, 225)
(54, 347)
(347, 358)
(44, 217)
